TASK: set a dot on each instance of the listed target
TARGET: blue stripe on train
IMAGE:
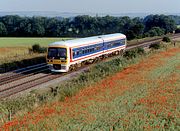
(100, 47)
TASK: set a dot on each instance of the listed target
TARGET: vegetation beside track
(22, 63)
(70, 88)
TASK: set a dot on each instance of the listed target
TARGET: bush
(155, 46)
(36, 48)
(43, 50)
(130, 54)
(177, 30)
(140, 50)
(166, 39)
(134, 52)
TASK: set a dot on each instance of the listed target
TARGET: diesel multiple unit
(63, 56)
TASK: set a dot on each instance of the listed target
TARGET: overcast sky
(93, 6)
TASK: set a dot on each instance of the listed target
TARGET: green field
(27, 42)
(178, 26)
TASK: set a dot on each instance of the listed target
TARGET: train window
(86, 51)
(109, 45)
(77, 52)
(116, 44)
(122, 41)
(89, 50)
(98, 48)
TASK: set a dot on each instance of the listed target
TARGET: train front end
(57, 58)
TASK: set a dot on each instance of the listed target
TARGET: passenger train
(63, 56)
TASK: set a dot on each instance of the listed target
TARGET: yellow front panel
(50, 61)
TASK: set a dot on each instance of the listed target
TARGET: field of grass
(27, 42)
(144, 96)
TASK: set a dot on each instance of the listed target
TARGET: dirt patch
(5, 49)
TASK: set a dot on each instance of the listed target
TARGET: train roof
(89, 40)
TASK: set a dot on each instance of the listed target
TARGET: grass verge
(69, 88)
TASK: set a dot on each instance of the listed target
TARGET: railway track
(150, 42)
(22, 73)
(7, 90)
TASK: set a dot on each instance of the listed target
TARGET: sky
(92, 6)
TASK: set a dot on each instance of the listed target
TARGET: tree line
(83, 26)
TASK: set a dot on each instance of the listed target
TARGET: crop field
(13, 48)
(144, 96)
(27, 42)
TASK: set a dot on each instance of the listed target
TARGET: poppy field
(143, 96)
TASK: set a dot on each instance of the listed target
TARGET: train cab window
(57, 53)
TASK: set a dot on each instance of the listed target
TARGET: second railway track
(6, 92)
(10, 77)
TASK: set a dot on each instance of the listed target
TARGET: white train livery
(63, 56)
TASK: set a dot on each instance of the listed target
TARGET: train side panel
(93, 51)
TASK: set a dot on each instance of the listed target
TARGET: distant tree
(176, 19)
(155, 31)
(25, 27)
(3, 30)
(11, 23)
(161, 21)
(82, 26)
(37, 26)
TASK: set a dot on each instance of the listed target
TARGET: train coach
(63, 56)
